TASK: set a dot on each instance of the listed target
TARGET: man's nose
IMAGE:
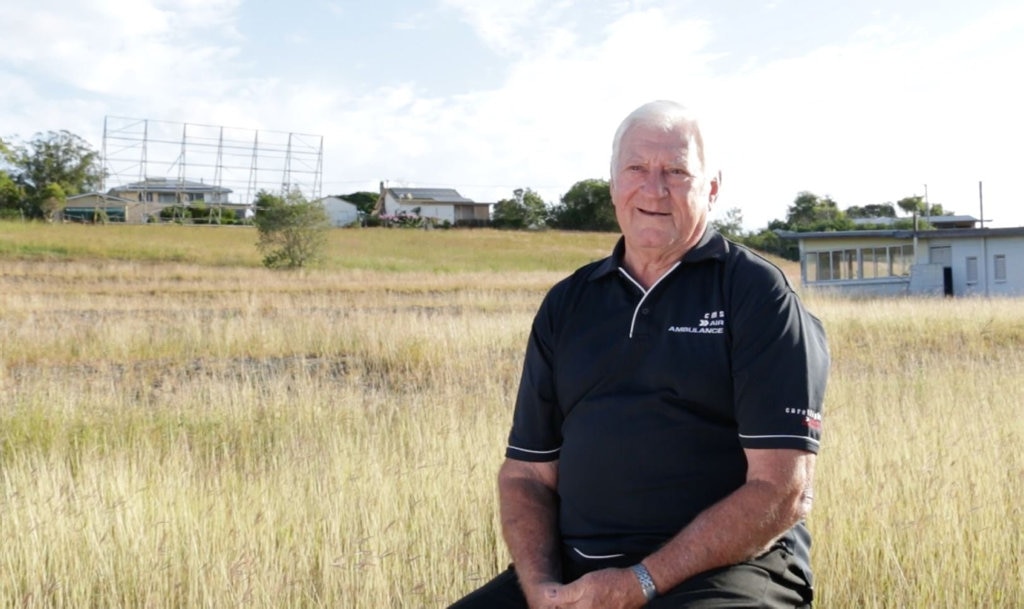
(655, 185)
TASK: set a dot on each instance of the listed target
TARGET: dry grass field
(182, 428)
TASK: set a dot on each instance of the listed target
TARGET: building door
(943, 255)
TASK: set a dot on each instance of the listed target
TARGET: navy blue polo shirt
(648, 398)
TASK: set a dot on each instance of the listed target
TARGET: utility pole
(984, 238)
(981, 205)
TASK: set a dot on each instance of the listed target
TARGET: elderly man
(664, 435)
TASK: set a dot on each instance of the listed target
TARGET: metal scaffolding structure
(242, 161)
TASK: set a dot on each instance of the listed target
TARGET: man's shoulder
(746, 265)
(571, 288)
(586, 274)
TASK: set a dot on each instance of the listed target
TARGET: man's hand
(541, 595)
(604, 589)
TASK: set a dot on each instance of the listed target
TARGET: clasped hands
(604, 589)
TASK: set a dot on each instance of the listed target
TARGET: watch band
(646, 582)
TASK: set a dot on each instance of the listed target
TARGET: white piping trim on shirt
(808, 438)
(577, 550)
(632, 323)
(535, 452)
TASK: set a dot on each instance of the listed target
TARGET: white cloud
(116, 48)
(871, 122)
(513, 27)
(549, 125)
(866, 121)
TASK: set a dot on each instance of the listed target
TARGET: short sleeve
(780, 363)
(536, 433)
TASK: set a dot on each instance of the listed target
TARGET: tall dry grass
(922, 469)
(201, 434)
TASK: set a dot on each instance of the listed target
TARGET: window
(864, 263)
(972, 270)
(811, 267)
(831, 266)
(999, 263)
(824, 266)
(901, 258)
(849, 268)
(876, 262)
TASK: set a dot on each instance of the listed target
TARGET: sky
(862, 101)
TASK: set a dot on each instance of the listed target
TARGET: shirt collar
(712, 246)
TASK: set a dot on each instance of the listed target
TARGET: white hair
(661, 114)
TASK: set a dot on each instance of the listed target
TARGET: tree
(60, 158)
(769, 241)
(292, 230)
(11, 193)
(912, 205)
(526, 210)
(587, 206)
(809, 212)
(731, 226)
(52, 201)
(363, 200)
(11, 196)
(6, 155)
(875, 210)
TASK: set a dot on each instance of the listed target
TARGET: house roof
(338, 201)
(957, 221)
(107, 198)
(882, 223)
(436, 195)
(951, 221)
(949, 233)
(169, 185)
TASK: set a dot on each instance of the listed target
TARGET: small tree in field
(292, 230)
(52, 201)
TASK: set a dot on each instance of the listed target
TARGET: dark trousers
(769, 581)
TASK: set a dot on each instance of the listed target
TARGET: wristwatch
(646, 582)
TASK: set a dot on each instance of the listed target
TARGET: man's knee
(502, 592)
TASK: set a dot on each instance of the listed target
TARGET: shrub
(292, 230)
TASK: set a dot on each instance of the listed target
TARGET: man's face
(660, 192)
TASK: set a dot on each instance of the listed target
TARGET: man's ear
(715, 184)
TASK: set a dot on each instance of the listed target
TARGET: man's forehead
(640, 141)
(680, 132)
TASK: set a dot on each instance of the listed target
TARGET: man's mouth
(652, 213)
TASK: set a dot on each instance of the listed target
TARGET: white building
(340, 212)
(439, 204)
(951, 262)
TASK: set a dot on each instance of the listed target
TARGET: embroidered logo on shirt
(713, 322)
(812, 420)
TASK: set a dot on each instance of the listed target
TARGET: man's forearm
(737, 528)
(529, 523)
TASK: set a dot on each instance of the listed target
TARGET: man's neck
(647, 266)
(648, 270)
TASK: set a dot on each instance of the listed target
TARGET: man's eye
(679, 172)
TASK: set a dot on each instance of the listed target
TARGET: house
(440, 204)
(951, 262)
(172, 192)
(156, 194)
(97, 206)
(340, 212)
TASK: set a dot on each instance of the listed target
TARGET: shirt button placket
(643, 323)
